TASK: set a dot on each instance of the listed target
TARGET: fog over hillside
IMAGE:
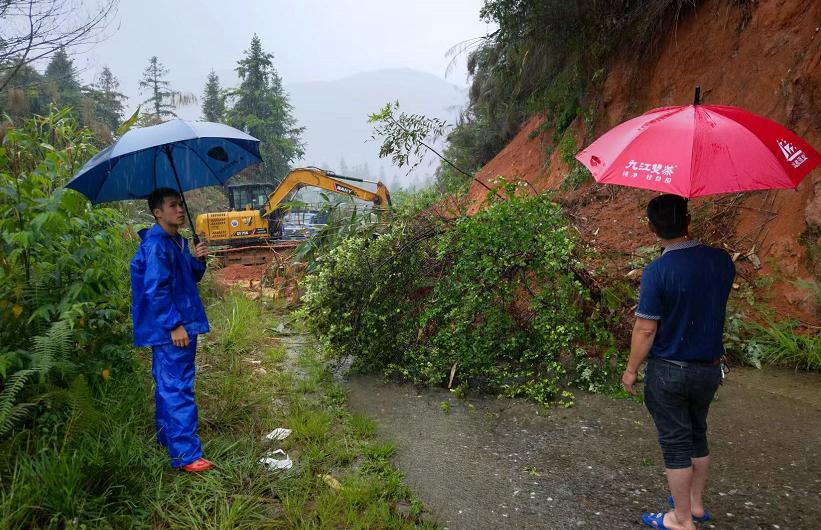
(335, 117)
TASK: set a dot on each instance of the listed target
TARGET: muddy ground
(496, 463)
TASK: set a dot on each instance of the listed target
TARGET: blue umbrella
(176, 154)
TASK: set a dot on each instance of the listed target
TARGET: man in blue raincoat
(168, 316)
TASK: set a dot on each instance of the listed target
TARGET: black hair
(668, 216)
(157, 197)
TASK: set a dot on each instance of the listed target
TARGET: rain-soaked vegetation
(504, 301)
(498, 301)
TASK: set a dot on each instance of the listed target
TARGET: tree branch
(25, 54)
(45, 18)
(434, 151)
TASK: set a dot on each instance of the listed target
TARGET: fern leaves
(49, 354)
(11, 413)
(51, 350)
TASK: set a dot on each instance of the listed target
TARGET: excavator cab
(248, 196)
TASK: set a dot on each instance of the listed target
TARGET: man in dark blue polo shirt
(679, 329)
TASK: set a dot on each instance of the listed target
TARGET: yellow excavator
(258, 210)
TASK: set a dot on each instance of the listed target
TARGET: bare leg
(701, 470)
(681, 482)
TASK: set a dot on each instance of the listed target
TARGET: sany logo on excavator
(343, 189)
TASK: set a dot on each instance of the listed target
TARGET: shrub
(547, 58)
(64, 289)
(495, 297)
(770, 341)
(578, 174)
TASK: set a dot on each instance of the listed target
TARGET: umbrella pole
(182, 195)
(697, 98)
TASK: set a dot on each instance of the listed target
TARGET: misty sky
(312, 40)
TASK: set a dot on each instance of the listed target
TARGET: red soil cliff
(770, 65)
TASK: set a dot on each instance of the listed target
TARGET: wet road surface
(496, 463)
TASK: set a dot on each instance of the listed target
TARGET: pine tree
(360, 171)
(343, 167)
(261, 108)
(213, 99)
(62, 84)
(109, 101)
(161, 101)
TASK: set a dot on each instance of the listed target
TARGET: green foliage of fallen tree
(496, 301)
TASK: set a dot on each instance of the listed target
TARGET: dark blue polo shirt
(686, 290)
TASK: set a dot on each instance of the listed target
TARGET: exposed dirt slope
(771, 65)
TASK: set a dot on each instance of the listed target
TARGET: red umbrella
(697, 150)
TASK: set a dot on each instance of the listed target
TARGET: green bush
(496, 295)
(547, 58)
(64, 288)
(578, 174)
(96, 470)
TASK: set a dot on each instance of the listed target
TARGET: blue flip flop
(654, 520)
(703, 519)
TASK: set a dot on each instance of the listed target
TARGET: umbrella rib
(102, 182)
(702, 186)
(193, 131)
(693, 148)
(154, 165)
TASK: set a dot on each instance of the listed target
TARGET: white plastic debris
(277, 460)
(280, 433)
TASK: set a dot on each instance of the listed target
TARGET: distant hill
(335, 115)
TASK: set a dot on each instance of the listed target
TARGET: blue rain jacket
(164, 293)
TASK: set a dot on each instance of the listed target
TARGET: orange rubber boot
(197, 466)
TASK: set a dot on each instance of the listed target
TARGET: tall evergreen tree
(343, 167)
(213, 99)
(161, 102)
(261, 108)
(108, 100)
(62, 83)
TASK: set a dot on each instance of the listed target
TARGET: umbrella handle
(195, 237)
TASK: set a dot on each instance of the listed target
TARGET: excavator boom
(328, 181)
(251, 226)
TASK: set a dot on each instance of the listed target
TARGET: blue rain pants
(176, 411)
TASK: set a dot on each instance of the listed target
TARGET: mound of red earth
(234, 274)
(770, 65)
(277, 280)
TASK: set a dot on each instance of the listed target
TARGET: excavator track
(255, 254)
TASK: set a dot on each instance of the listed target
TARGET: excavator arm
(318, 178)
(242, 227)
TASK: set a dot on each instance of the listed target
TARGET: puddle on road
(800, 386)
(499, 463)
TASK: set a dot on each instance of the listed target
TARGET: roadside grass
(99, 476)
(764, 340)
(779, 344)
(106, 471)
